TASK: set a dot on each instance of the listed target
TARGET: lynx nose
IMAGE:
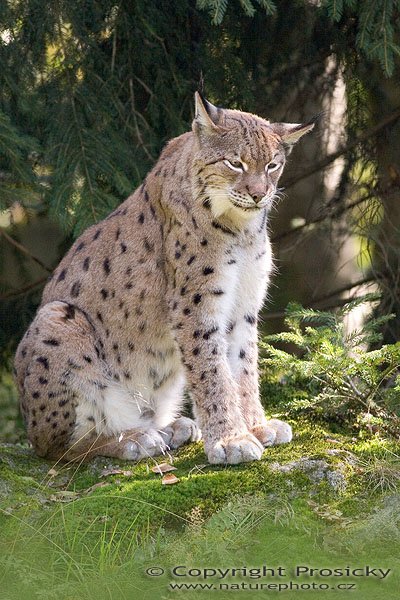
(257, 197)
(256, 188)
(257, 194)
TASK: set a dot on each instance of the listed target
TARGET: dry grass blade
(380, 474)
(106, 472)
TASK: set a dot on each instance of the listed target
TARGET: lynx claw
(236, 450)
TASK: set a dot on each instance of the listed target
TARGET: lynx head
(240, 158)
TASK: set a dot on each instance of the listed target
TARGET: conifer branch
(23, 290)
(138, 133)
(24, 250)
(78, 128)
(334, 215)
(325, 162)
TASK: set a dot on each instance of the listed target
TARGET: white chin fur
(221, 205)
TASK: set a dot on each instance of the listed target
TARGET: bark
(384, 96)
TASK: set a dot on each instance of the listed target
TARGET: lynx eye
(235, 165)
(272, 166)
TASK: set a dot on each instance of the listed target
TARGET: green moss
(11, 427)
(85, 535)
(32, 494)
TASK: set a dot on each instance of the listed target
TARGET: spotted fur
(163, 296)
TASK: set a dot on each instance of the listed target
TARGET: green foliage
(340, 379)
(17, 152)
(95, 114)
(218, 8)
(376, 24)
(376, 32)
(376, 27)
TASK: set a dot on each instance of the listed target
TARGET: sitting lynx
(161, 296)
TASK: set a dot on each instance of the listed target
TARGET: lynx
(162, 297)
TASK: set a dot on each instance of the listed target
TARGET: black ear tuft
(317, 119)
(201, 83)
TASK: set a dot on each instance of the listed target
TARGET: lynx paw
(273, 432)
(180, 432)
(236, 450)
(140, 445)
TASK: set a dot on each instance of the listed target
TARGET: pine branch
(24, 250)
(334, 215)
(22, 291)
(134, 112)
(325, 162)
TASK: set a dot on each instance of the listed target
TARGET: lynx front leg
(216, 398)
(243, 357)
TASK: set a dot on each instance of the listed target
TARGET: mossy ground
(326, 499)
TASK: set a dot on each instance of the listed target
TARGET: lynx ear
(292, 132)
(207, 116)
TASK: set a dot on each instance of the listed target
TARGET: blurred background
(91, 90)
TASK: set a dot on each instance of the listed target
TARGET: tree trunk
(320, 259)
(385, 98)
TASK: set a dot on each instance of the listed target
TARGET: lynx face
(247, 178)
(244, 158)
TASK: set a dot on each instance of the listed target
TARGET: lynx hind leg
(137, 444)
(54, 353)
(273, 432)
(181, 431)
(64, 391)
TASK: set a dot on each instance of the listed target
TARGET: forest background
(90, 91)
